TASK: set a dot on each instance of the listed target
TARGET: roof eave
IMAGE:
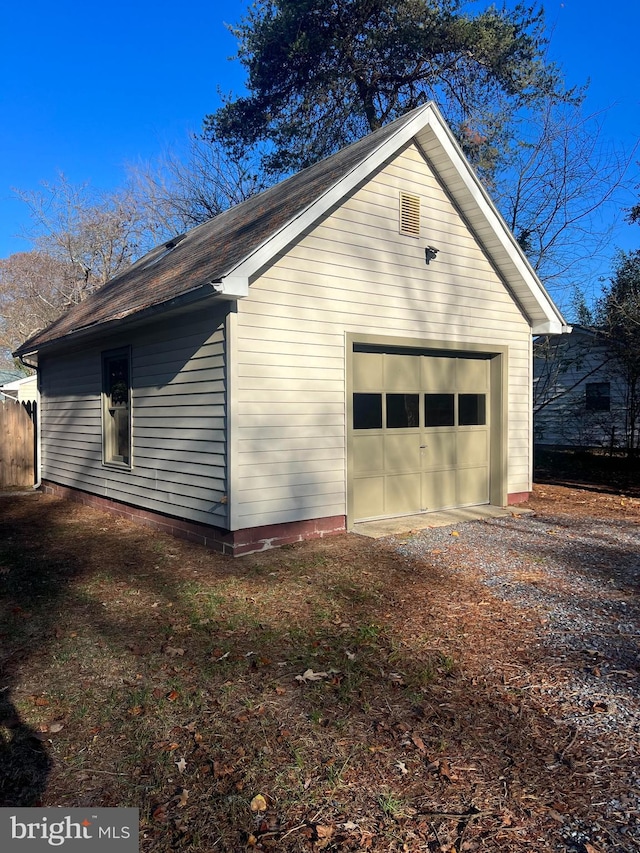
(208, 290)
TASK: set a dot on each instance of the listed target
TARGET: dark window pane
(118, 381)
(117, 410)
(598, 396)
(438, 410)
(402, 410)
(367, 411)
(472, 410)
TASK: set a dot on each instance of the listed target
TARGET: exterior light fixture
(429, 254)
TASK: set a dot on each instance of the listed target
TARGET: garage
(420, 436)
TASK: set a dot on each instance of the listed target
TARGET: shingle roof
(234, 246)
(210, 250)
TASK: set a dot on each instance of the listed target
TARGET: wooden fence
(17, 445)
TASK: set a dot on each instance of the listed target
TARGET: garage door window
(472, 410)
(403, 411)
(367, 411)
(439, 410)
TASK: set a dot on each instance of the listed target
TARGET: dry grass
(141, 671)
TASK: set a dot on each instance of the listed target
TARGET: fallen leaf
(258, 803)
(281, 691)
(445, 771)
(310, 675)
(455, 533)
(173, 652)
(366, 839)
(417, 740)
(182, 798)
(160, 813)
(402, 767)
(181, 765)
(325, 834)
(173, 696)
(54, 728)
(589, 848)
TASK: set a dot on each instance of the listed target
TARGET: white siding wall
(355, 273)
(179, 439)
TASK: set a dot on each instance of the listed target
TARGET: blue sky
(88, 87)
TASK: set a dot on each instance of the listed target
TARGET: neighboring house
(24, 389)
(353, 343)
(7, 378)
(580, 398)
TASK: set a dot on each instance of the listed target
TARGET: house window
(410, 214)
(598, 396)
(116, 408)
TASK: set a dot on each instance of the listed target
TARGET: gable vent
(410, 214)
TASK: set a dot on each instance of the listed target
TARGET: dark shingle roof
(211, 250)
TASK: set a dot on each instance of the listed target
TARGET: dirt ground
(331, 695)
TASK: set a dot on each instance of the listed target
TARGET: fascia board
(551, 327)
(551, 316)
(234, 286)
(282, 238)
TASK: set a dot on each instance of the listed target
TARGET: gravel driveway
(579, 576)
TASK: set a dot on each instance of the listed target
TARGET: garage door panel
(368, 497)
(438, 490)
(368, 454)
(438, 374)
(473, 448)
(401, 373)
(403, 494)
(439, 450)
(472, 374)
(367, 371)
(472, 486)
(402, 453)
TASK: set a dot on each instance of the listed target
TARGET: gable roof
(222, 255)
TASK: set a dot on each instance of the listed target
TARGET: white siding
(355, 273)
(178, 380)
